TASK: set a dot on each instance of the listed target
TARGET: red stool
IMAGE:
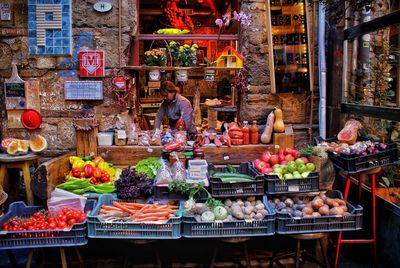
(372, 241)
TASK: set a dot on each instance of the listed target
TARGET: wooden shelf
(172, 68)
(224, 37)
(223, 109)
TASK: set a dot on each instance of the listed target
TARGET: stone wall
(57, 113)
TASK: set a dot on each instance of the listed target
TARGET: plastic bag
(181, 137)
(167, 138)
(156, 138)
(144, 138)
(164, 176)
(133, 135)
(178, 169)
(60, 199)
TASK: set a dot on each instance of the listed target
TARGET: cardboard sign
(14, 119)
(32, 92)
(91, 63)
(83, 90)
(15, 95)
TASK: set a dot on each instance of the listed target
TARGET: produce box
(353, 163)
(234, 228)
(130, 230)
(289, 224)
(275, 185)
(163, 193)
(41, 238)
(237, 189)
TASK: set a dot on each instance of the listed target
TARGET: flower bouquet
(155, 57)
(183, 56)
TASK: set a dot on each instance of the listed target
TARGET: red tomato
(53, 225)
(61, 224)
(82, 218)
(71, 222)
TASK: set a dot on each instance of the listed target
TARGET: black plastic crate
(163, 193)
(41, 238)
(275, 185)
(354, 163)
(237, 189)
(235, 228)
(287, 224)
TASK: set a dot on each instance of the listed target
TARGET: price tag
(293, 188)
(150, 150)
(239, 191)
(226, 157)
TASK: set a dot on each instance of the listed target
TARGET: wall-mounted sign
(15, 95)
(5, 12)
(102, 6)
(91, 63)
(83, 90)
(49, 27)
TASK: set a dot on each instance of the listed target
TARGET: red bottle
(254, 133)
(246, 132)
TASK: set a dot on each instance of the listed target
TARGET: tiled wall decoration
(91, 63)
(49, 27)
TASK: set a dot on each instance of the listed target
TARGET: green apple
(299, 162)
(278, 170)
(301, 168)
(284, 168)
(305, 174)
(292, 168)
(276, 166)
(296, 174)
(310, 166)
(291, 163)
(288, 176)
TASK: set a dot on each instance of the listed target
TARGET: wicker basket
(3, 196)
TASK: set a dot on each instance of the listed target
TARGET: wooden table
(130, 155)
(22, 162)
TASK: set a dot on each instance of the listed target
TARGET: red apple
(305, 159)
(281, 157)
(296, 154)
(287, 151)
(267, 170)
(280, 151)
(289, 158)
(267, 165)
(274, 160)
(284, 162)
(259, 164)
(266, 156)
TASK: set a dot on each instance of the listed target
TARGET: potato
(336, 211)
(335, 204)
(253, 203)
(329, 202)
(289, 202)
(324, 210)
(247, 203)
(240, 202)
(248, 210)
(228, 203)
(239, 216)
(345, 209)
(252, 215)
(251, 198)
(259, 207)
(247, 217)
(340, 202)
(258, 202)
(258, 216)
(263, 212)
(276, 200)
(307, 211)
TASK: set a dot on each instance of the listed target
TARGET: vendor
(174, 106)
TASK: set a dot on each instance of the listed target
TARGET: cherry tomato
(71, 222)
(53, 225)
(61, 224)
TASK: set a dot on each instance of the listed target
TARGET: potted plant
(155, 57)
(183, 56)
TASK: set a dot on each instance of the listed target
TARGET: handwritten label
(15, 95)
(150, 150)
(83, 90)
(226, 157)
(293, 188)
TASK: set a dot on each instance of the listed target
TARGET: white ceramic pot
(154, 75)
(181, 75)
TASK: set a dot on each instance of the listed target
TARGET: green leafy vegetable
(148, 167)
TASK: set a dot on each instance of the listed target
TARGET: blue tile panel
(54, 38)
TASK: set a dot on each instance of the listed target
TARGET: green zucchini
(231, 175)
(235, 179)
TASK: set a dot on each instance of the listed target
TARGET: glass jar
(254, 133)
(246, 132)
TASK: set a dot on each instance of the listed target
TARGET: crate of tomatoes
(34, 227)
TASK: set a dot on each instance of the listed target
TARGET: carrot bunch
(142, 212)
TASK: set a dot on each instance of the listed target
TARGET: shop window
(289, 42)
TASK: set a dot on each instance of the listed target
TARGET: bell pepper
(98, 160)
(103, 166)
(73, 158)
(97, 172)
(76, 172)
(88, 170)
(90, 163)
(172, 146)
(110, 171)
(79, 164)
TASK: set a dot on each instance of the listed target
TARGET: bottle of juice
(254, 133)
(246, 132)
